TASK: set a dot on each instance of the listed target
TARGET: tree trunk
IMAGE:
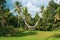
(18, 20)
(31, 27)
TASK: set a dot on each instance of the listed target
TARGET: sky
(32, 5)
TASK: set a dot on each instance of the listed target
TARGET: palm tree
(18, 9)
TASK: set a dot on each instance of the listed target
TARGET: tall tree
(18, 9)
(48, 15)
(2, 8)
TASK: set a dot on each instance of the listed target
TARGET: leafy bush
(7, 31)
(46, 26)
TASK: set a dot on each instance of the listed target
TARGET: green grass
(35, 35)
(22, 38)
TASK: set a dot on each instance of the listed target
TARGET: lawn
(35, 35)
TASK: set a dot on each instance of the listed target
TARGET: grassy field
(35, 35)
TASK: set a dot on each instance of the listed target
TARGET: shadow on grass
(22, 34)
(56, 36)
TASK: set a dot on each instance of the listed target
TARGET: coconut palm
(18, 9)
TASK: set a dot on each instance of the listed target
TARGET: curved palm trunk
(31, 27)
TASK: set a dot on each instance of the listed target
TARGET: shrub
(7, 31)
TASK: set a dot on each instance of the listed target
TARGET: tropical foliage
(11, 24)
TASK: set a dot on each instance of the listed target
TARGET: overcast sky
(32, 5)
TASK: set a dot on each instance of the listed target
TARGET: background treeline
(9, 22)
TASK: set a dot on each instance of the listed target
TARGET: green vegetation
(24, 27)
(35, 35)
